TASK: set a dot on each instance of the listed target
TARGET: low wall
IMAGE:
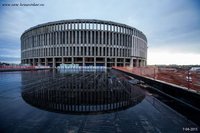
(23, 69)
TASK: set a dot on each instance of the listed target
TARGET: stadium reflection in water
(81, 92)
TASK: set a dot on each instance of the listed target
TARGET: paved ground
(151, 115)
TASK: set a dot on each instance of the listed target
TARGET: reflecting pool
(82, 93)
(77, 101)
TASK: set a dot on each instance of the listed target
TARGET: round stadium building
(85, 42)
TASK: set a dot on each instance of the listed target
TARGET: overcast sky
(172, 27)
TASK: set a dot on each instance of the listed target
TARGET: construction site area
(184, 77)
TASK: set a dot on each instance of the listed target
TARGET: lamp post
(189, 78)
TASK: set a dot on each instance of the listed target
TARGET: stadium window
(81, 51)
(87, 26)
(77, 52)
(89, 37)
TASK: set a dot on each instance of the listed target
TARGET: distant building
(84, 42)
(195, 69)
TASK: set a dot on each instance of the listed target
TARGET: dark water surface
(54, 101)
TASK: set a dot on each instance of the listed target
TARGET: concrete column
(115, 62)
(56, 38)
(112, 34)
(39, 61)
(72, 36)
(79, 38)
(95, 46)
(76, 50)
(68, 37)
(94, 37)
(105, 37)
(63, 50)
(72, 60)
(124, 62)
(76, 37)
(65, 43)
(33, 62)
(54, 63)
(56, 54)
(131, 62)
(65, 38)
(83, 61)
(105, 62)
(101, 51)
(91, 37)
(91, 52)
(95, 61)
(108, 44)
(87, 36)
(99, 35)
(75, 40)
(87, 50)
(46, 62)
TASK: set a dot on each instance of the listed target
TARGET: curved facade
(84, 42)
